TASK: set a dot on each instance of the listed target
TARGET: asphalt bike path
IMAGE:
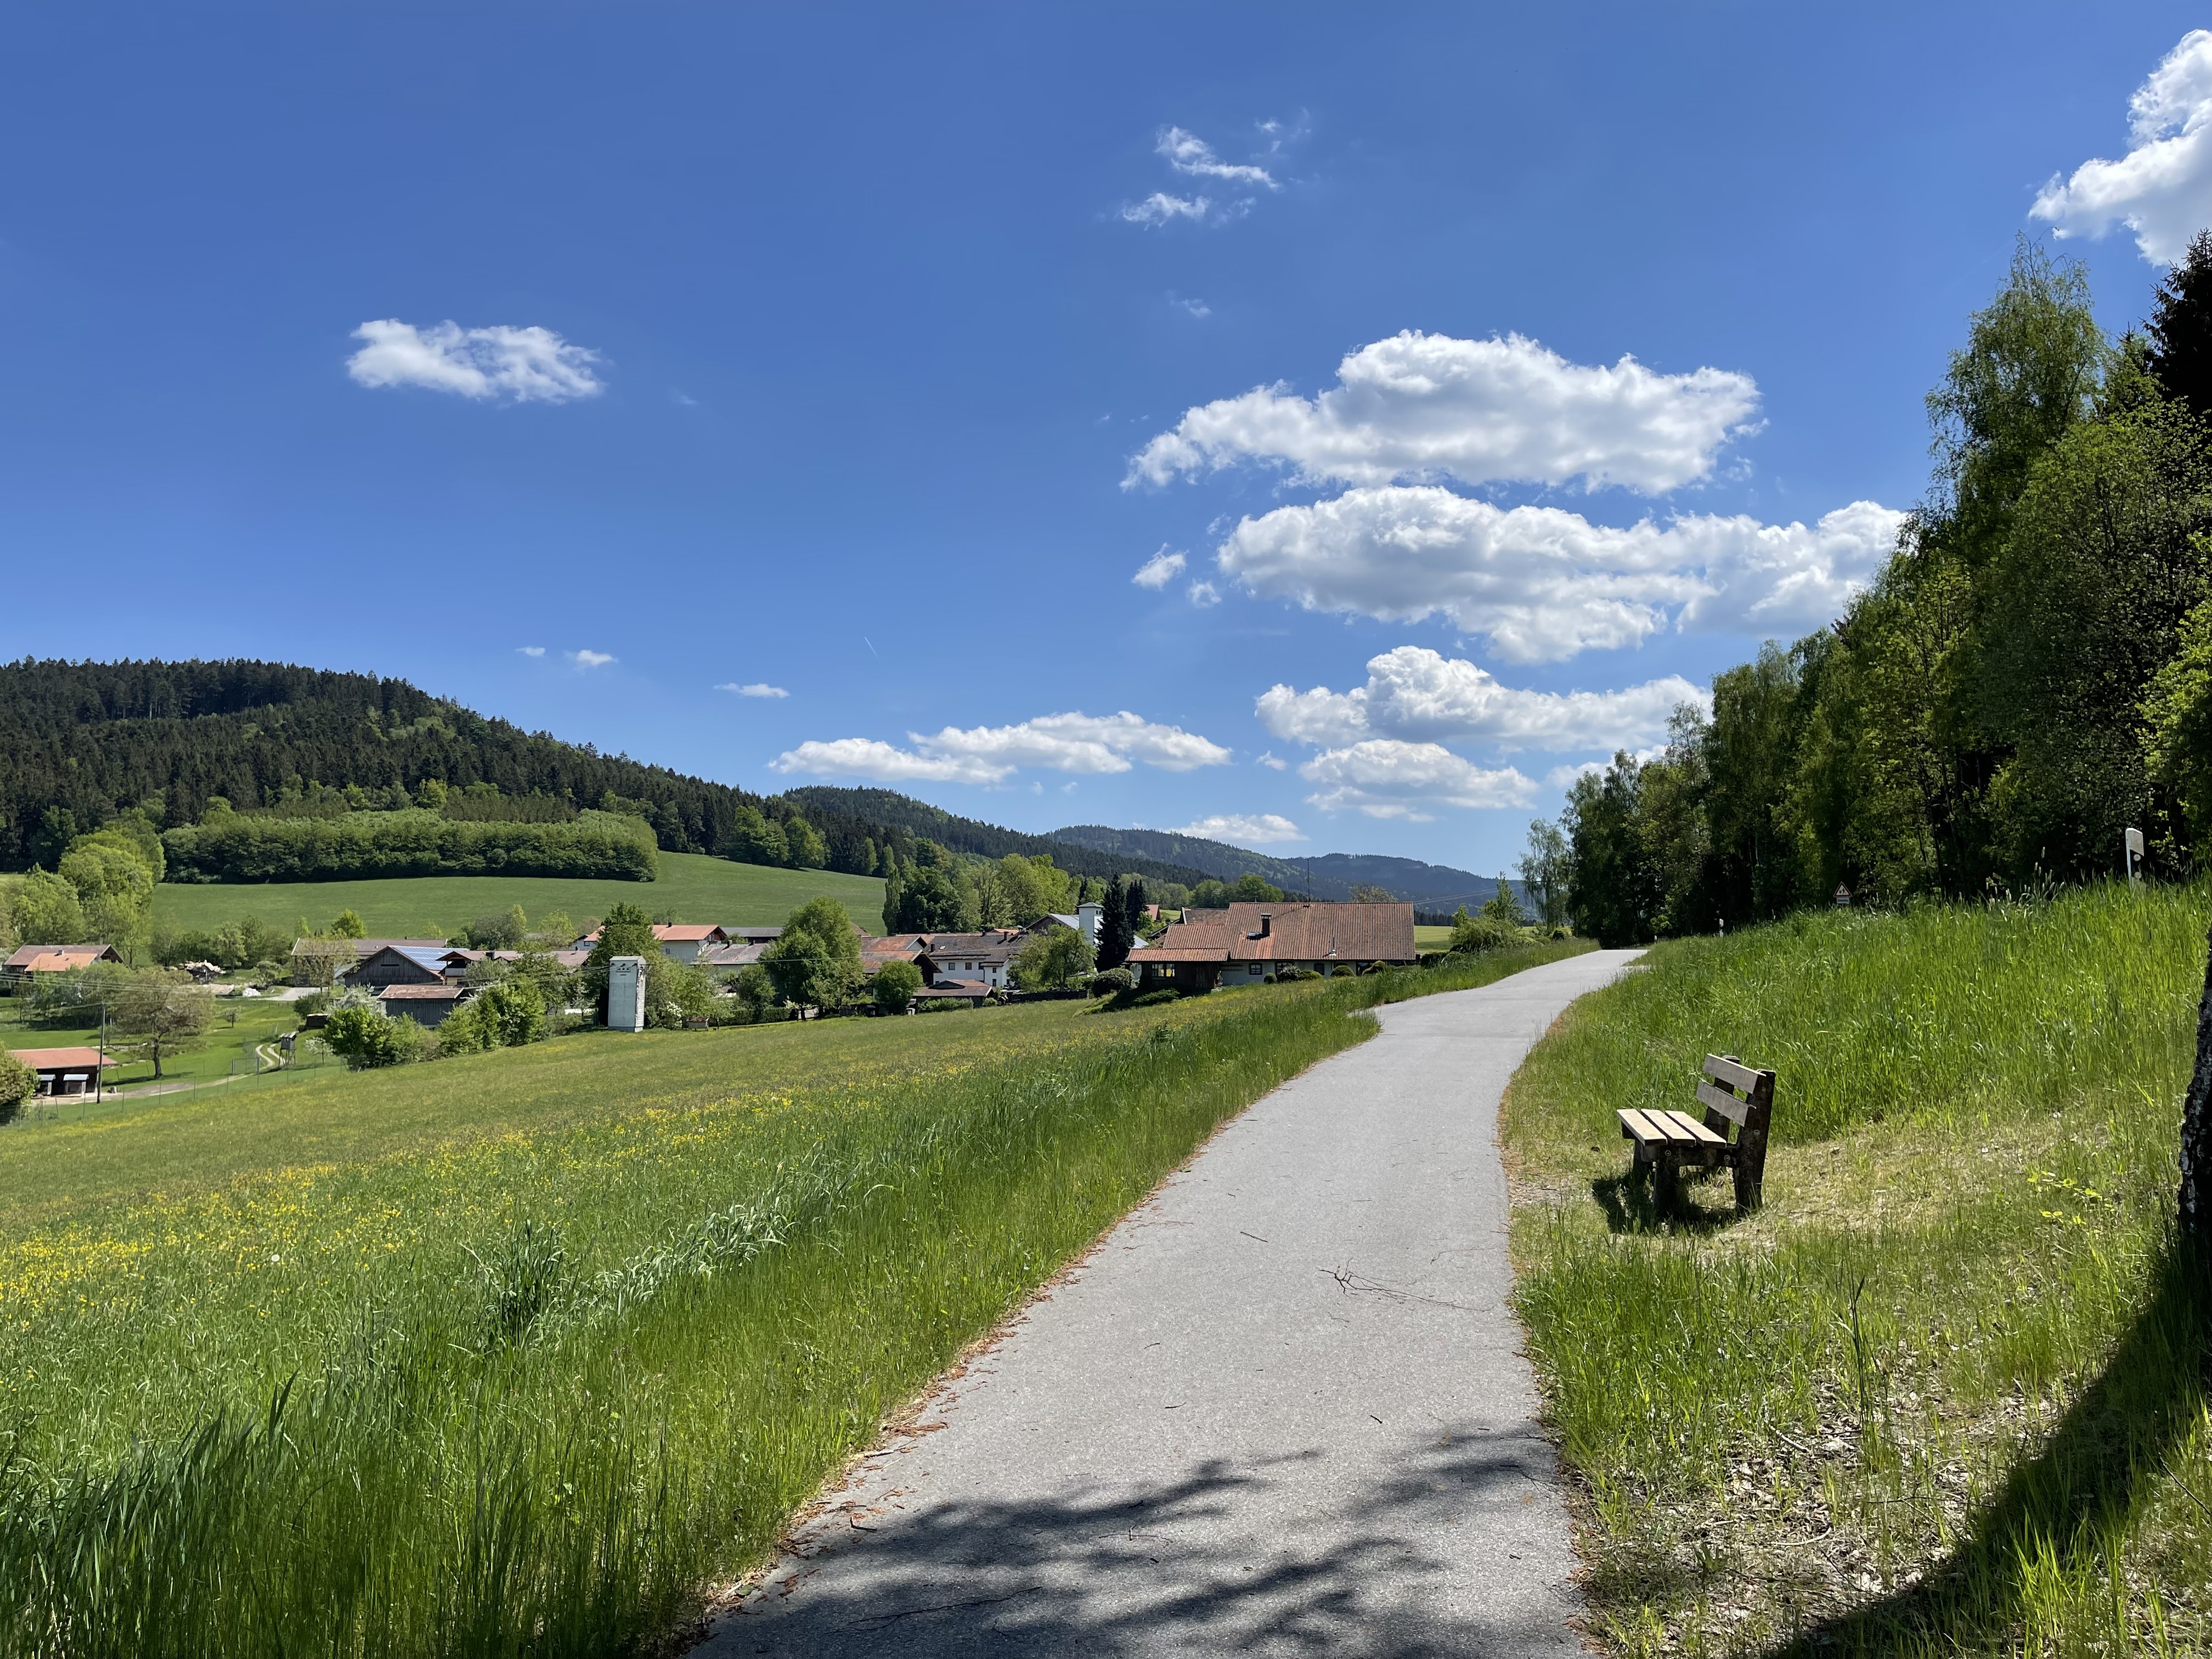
(1280, 1409)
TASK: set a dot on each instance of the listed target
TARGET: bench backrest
(1748, 1092)
(1744, 1095)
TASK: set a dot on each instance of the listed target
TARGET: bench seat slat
(1641, 1126)
(1736, 1111)
(1697, 1131)
(1733, 1073)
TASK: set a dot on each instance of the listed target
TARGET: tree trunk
(2196, 1126)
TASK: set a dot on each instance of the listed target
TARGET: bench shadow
(1180, 1565)
(1630, 1203)
(2069, 1499)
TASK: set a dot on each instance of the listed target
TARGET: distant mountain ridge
(1432, 887)
(919, 818)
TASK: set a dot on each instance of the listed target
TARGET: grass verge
(1946, 1392)
(515, 1354)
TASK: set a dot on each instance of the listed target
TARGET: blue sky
(869, 353)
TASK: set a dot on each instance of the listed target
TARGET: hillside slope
(1331, 875)
(919, 818)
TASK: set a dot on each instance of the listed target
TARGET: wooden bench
(1667, 1142)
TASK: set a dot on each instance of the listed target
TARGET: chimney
(1267, 923)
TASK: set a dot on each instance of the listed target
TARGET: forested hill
(96, 738)
(917, 818)
(1330, 875)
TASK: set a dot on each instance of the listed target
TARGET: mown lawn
(1946, 1393)
(517, 1352)
(693, 887)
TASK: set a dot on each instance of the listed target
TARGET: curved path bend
(1280, 1409)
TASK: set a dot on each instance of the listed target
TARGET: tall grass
(280, 1415)
(1946, 1393)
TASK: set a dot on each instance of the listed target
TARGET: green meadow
(1946, 1392)
(522, 1351)
(692, 886)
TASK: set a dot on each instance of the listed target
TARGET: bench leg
(1667, 1181)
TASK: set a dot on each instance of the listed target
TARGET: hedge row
(236, 847)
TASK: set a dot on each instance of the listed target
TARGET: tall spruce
(2180, 327)
(1115, 934)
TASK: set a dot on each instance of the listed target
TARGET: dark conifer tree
(1132, 905)
(1113, 931)
(2181, 327)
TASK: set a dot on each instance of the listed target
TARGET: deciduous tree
(164, 1012)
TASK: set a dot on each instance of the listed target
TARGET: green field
(515, 1352)
(1946, 1393)
(693, 887)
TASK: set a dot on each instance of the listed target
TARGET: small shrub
(1157, 999)
(1113, 983)
(1291, 975)
(18, 1082)
(1483, 933)
(366, 1038)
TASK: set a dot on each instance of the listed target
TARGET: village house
(1250, 944)
(686, 942)
(346, 954)
(64, 1071)
(55, 959)
(984, 958)
(426, 1004)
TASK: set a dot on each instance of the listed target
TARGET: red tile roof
(1296, 932)
(59, 958)
(61, 1059)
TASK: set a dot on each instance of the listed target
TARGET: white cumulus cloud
(1415, 693)
(1424, 405)
(1390, 778)
(2161, 189)
(531, 650)
(1540, 583)
(1204, 595)
(1187, 152)
(1242, 830)
(990, 754)
(591, 659)
(1159, 570)
(524, 365)
(759, 689)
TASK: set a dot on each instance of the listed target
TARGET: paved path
(1281, 1409)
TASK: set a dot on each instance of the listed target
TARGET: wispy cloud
(1187, 152)
(1204, 595)
(1191, 157)
(531, 650)
(520, 365)
(1159, 570)
(759, 689)
(1197, 308)
(1272, 763)
(591, 659)
(1162, 209)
